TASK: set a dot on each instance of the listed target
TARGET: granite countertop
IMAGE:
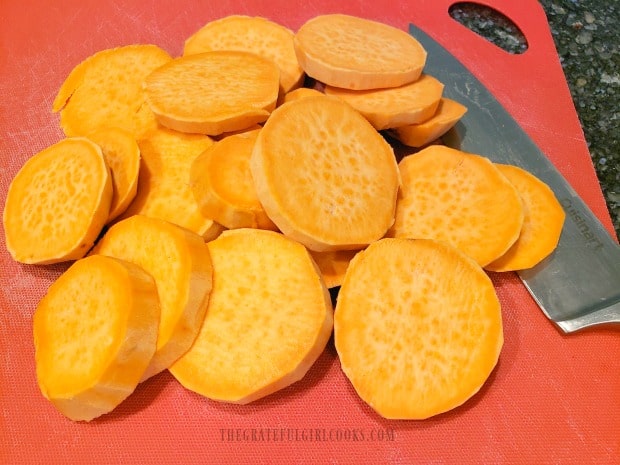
(587, 38)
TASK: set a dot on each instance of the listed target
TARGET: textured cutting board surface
(553, 398)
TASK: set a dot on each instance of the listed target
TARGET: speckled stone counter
(587, 37)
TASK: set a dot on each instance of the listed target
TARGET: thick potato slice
(356, 53)
(251, 34)
(410, 103)
(95, 332)
(179, 261)
(418, 327)
(269, 318)
(542, 223)
(106, 90)
(324, 175)
(58, 203)
(213, 92)
(458, 198)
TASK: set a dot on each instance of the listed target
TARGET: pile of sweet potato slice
(209, 201)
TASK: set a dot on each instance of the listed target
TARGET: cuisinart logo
(592, 240)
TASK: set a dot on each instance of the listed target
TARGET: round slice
(458, 198)
(179, 261)
(356, 53)
(106, 90)
(542, 224)
(251, 34)
(324, 175)
(301, 92)
(213, 92)
(163, 183)
(95, 332)
(398, 106)
(58, 203)
(269, 318)
(417, 328)
(222, 184)
(448, 113)
(122, 154)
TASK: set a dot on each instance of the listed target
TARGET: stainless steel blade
(579, 284)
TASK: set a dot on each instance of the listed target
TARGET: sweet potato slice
(255, 35)
(180, 263)
(269, 318)
(222, 184)
(417, 327)
(95, 332)
(122, 154)
(459, 198)
(356, 53)
(324, 175)
(448, 113)
(58, 203)
(301, 92)
(213, 92)
(411, 103)
(333, 265)
(542, 223)
(163, 182)
(106, 90)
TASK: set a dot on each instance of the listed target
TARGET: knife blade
(578, 285)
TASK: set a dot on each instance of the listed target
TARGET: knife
(578, 285)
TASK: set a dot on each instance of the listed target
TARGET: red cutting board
(553, 398)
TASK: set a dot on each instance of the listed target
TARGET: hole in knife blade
(490, 24)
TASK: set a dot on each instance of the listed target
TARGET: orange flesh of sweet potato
(417, 327)
(58, 203)
(410, 103)
(251, 34)
(213, 92)
(222, 184)
(324, 175)
(542, 224)
(106, 90)
(448, 113)
(459, 198)
(122, 155)
(163, 183)
(356, 53)
(333, 265)
(180, 263)
(301, 92)
(94, 334)
(269, 318)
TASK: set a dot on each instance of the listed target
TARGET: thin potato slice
(542, 224)
(57, 203)
(333, 265)
(163, 182)
(222, 184)
(417, 327)
(106, 90)
(355, 53)
(255, 35)
(448, 113)
(324, 175)
(269, 318)
(180, 263)
(459, 198)
(122, 154)
(213, 92)
(410, 103)
(95, 332)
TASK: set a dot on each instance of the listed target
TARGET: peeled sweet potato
(95, 332)
(58, 203)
